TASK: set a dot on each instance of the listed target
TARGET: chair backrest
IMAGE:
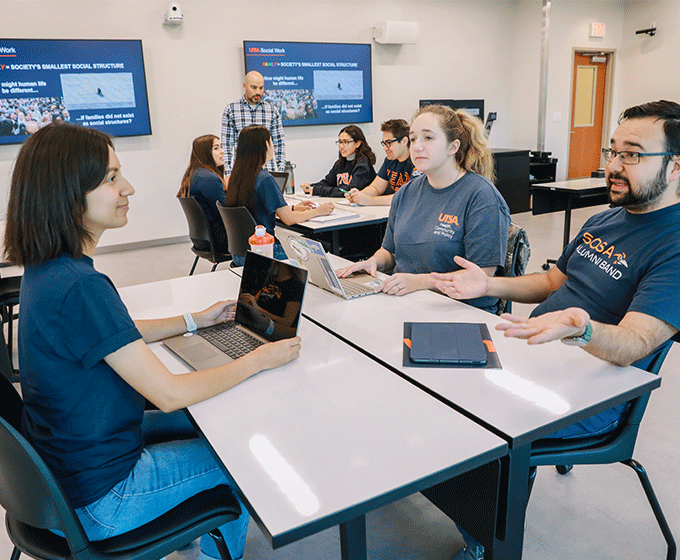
(29, 493)
(516, 259)
(240, 225)
(199, 228)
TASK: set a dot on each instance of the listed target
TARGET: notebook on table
(447, 343)
(268, 308)
(311, 255)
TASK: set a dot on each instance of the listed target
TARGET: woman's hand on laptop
(276, 354)
(220, 312)
(370, 266)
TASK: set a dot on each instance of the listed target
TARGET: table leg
(353, 539)
(567, 223)
(335, 242)
(509, 543)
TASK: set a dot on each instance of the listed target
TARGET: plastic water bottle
(262, 242)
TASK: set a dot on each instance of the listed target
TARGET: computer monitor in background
(95, 83)
(314, 83)
(473, 106)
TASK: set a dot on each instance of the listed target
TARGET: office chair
(9, 297)
(35, 505)
(615, 447)
(516, 260)
(204, 244)
(240, 225)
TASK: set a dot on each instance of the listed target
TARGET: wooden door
(587, 114)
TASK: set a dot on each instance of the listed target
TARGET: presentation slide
(100, 84)
(314, 83)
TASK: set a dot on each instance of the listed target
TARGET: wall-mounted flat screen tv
(473, 106)
(100, 84)
(314, 83)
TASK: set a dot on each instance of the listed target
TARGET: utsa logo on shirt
(448, 219)
(343, 178)
(602, 254)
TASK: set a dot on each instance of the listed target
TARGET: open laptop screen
(270, 298)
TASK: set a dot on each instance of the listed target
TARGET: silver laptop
(310, 254)
(268, 308)
(281, 179)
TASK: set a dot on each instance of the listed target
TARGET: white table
(324, 439)
(539, 389)
(365, 216)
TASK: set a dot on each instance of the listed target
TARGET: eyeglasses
(631, 158)
(344, 142)
(388, 143)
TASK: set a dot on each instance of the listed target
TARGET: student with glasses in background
(353, 168)
(396, 170)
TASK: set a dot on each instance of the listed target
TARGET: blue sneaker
(471, 551)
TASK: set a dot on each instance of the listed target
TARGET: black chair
(9, 297)
(516, 260)
(615, 447)
(204, 243)
(240, 225)
(35, 505)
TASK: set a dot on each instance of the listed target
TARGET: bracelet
(292, 207)
(189, 320)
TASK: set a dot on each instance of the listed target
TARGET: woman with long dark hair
(204, 181)
(250, 185)
(85, 366)
(353, 168)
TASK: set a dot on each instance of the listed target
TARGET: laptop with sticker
(310, 254)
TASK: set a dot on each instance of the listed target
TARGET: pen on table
(343, 190)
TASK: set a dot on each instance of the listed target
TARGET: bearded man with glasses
(614, 290)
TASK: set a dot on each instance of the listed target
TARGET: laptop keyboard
(353, 288)
(234, 342)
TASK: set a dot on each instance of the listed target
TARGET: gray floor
(597, 512)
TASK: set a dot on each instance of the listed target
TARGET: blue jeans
(165, 475)
(279, 255)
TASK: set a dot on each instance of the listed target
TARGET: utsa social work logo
(448, 219)
(602, 254)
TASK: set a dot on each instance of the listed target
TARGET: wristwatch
(582, 340)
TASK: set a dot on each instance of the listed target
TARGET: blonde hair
(473, 153)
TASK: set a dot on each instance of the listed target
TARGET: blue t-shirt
(268, 199)
(621, 262)
(82, 418)
(427, 227)
(207, 188)
(397, 173)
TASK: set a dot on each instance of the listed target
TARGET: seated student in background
(250, 185)
(352, 170)
(396, 170)
(203, 181)
(453, 209)
(614, 291)
(85, 364)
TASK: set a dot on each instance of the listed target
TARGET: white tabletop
(573, 184)
(325, 438)
(364, 214)
(538, 389)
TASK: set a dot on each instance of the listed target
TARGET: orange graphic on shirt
(448, 219)
(344, 178)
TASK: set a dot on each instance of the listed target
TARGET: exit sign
(597, 29)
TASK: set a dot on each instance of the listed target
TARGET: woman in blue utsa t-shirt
(85, 365)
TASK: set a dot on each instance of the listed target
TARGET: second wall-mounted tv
(99, 84)
(314, 83)
(473, 106)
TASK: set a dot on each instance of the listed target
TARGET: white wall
(487, 49)
(649, 64)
